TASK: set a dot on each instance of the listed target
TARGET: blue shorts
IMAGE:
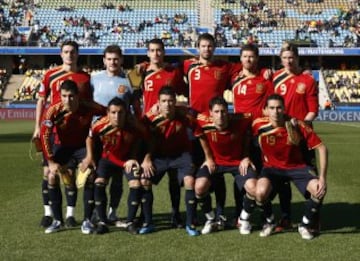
(183, 164)
(300, 176)
(71, 157)
(107, 169)
(221, 170)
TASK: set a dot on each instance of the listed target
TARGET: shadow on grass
(15, 137)
(342, 218)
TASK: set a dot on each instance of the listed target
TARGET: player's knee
(145, 183)
(202, 186)
(250, 186)
(189, 182)
(134, 184)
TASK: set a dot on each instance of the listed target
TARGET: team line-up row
(258, 143)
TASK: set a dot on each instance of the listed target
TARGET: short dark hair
(156, 41)
(117, 102)
(69, 85)
(206, 37)
(275, 97)
(217, 100)
(167, 90)
(289, 47)
(72, 43)
(250, 47)
(113, 49)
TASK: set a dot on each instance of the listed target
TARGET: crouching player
(170, 151)
(225, 139)
(282, 157)
(119, 133)
(71, 119)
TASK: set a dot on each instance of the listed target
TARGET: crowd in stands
(343, 86)
(244, 26)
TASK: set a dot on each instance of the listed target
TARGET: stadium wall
(353, 114)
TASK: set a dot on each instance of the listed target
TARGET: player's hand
(155, 108)
(294, 122)
(245, 164)
(210, 164)
(321, 189)
(36, 133)
(129, 164)
(148, 168)
(86, 163)
(267, 74)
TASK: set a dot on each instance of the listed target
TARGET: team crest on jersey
(158, 76)
(259, 88)
(292, 81)
(218, 74)
(300, 88)
(121, 89)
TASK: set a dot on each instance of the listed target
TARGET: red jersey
(170, 135)
(227, 146)
(117, 143)
(277, 151)
(299, 91)
(53, 78)
(250, 93)
(155, 80)
(72, 128)
(207, 81)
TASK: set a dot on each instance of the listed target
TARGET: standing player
(50, 87)
(208, 78)
(157, 73)
(119, 137)
(106, 85)
(225, 139)
(283, 158)
(300, 94)
(71, 119)
(171, 151)
(250, 88)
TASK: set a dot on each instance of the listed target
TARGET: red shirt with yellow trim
(299, 91)
(250, 93)
(170, 135)
(71, 128)
(53, 79)
(207, 81)
(277, 150)
(117, 143)
(228, 146)
(155, 80)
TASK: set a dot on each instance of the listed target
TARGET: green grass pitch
(21, 238)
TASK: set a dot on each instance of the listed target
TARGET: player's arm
(209, 158)
(88, 161)
(40, 105)
(147, 164)
(312, 100)
(323, 165)
(246, 162)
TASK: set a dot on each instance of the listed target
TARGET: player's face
(275, 110)
(155, 53)
(117, 115)
(206, 49)
(219, 115)
(289, 60)
(112, 62)
(69, 55)
(248, 59)
(167, 104)
(70, 100)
